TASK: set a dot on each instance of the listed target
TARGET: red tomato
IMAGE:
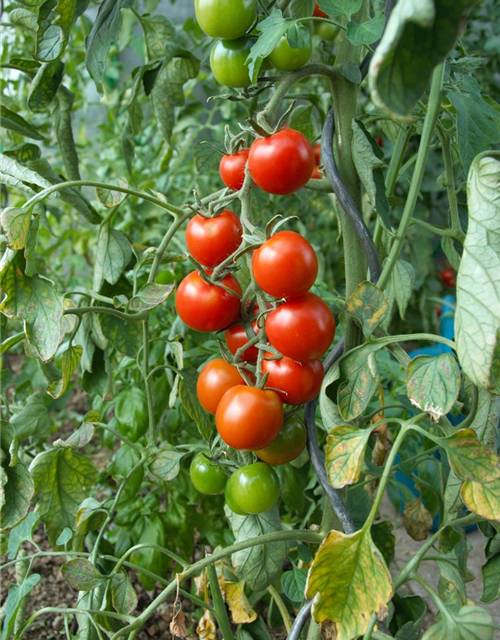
(232, 169)
(207, 307)
(316, 175)
(212, 240)
(302, 328)
(317, 154)
(379, 141)
(236, 337)
(249, 418)
(281, 163)
(299, 382)
(448, 277)
(318, 13)
(285, 266)
(216, 377)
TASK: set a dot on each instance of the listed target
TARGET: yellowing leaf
(206, 627)
(483, 499)
(433, 383)
(178, 625)
(417, 519)
(237, 601)
(345, 452)
(469, 459)
(368, 305)
(349, 582)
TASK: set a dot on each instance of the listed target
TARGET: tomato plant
(301, 328)
(212, 240)
(297, 382)
(254, 488)
(249, 418)
(207, 307)
(281, 163)
(227, 20)
(206, 477)
(229, 404)
(285, 266)
(287, 58)
(232, 168)
(216, 377)
(289, 444)
(228, 61)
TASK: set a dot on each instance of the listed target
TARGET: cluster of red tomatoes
(298, 326)
(232, 23)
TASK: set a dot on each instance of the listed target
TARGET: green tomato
(286, 58)
(326, 31)
(165, 277)
(227, 61)
(206, 477)
(254, 488)
(231, 503)
(228, 19)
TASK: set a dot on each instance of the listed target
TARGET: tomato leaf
(71, 358)
(113, 253)
(418, 36)
(22, 532)
(433, 383)
(123, 595)
(469, 459)
(468, 623)
(190, 402)
(491, 579)
(340, 7)
(367, 32)
(16, 123)
(62, 477)
(15, 596)
(360, 374)
(477, 323)
(165, 465)
(294, 584)
(345, 454)
(271, 29)
(151, 295)
(349, 582)
(368, 305)
(81, 574)
(104, 31)
(258, 565)
(483, 499)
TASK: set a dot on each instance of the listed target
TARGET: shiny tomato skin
(232, 169)
(207, 307)
(206, 477)
(248, 418)
(227, 19)
(298, 382)
(216, 377)
(254, 488)
(228, 62)
(318, 13)
(287, 58)
(302, 328)
(231, 502)
(281, 163)
(211, 240)
(285, 266)
(288, 445)
(236, 337)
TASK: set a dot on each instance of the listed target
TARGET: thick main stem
(345, 101)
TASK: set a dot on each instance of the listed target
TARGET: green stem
(132, 317)
(117, 434)
(450, 183)
(276, 536)
(345, 102)
(220, 610)
(431, 117)
(388, 469)
(451, 233)
(176, 224)
(11, 341)
(430, 337)
(281, 607)
(102, 185)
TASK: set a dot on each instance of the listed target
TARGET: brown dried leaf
(417, 520)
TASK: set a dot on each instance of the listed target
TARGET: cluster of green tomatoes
(232, 22)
